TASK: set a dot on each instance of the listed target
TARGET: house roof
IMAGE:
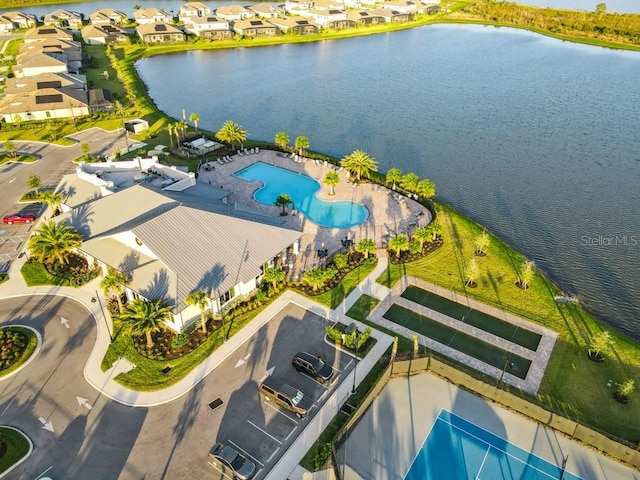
(294, 21)
(215, 256)
(252, 23)
(268, 8)
(118, 212)
(99, 97)
(77, 191)
(62, 14)
(106, 15)
(41, 33)
(144, 13)
(231, 10)
(102, 31)
(45, 80)
(43, 99)
(157, 28)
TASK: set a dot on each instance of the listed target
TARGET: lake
(126, 6)
(533, 137)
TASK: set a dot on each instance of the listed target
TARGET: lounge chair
(257, 149)
(220, 162)
(240, 153)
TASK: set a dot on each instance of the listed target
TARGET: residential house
(44, 104)
(141, 231)
(298, 7)
(69, 50)
(63, 18)
(6, 25)
(402, 6)
(160, 33)
(108, 16)
(30, 64)
(21, 85)
(391, 16)
(194, 9)
(103, 34)
(365, 17)
(21, 20)
(209, 27)
(234, 12)
(147, 16)
(333, 19)
(44, 33)
(266, 10)
(254, 28)
(295, 24)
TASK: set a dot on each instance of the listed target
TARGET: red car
(19, 218)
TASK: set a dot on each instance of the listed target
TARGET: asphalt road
(94, 437)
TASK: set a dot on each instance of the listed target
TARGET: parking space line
(273, 454)
(290, 433)
(258, 472)
(334, 379)
(266, 433)
(245, 453)
(348, 364)
(322, 396)
(281, 412)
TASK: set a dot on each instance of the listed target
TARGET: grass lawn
(17, 447)
(147, 376)
(31, 347)
(572, 383)
(334, 297)
(458, 340)
(481, 320)
(6, 158)
(35, 274)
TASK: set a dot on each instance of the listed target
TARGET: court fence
(421, 364)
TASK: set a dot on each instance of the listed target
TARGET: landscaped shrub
(12, 345)
(76, 270)
(408, 256)
(334, 334)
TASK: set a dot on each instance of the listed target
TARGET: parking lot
(261, 430)
(13, 237)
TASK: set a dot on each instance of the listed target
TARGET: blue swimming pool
(302, 190)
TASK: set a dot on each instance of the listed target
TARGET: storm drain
(217, 403)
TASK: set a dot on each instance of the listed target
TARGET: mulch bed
(406, 257)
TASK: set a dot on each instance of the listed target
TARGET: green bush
(334, 334)
(180, 340)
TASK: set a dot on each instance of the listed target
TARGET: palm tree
(52, 199)
(114, 282)
(301, 144)
(426, 188)
(201, 299)
(273, 276)
(482, 242)
(331, 179)
(526, 275)
(471, 272)
(393, 177)
(232, 133)
(54, 242)
(283, 201)
(359, 164)
(170, 130)
(409, 182)
(422, 235)
(34, 182)
(600, 344)
(436, 229)
(398, 244)
(177, 128)
(282, 139)
(366, 246)
(194, 118)
(147, 317)
(314, 278)
(10, 148)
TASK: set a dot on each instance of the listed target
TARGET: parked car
(313, 366)
(286, 396)
(19, 218)
(230, 461)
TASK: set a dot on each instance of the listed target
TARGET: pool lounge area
(387, 212)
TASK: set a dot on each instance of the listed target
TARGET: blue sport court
(457, 449)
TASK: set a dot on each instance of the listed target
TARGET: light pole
(104, 316)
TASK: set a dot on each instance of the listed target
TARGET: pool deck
(387, 215)
(391, 432)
